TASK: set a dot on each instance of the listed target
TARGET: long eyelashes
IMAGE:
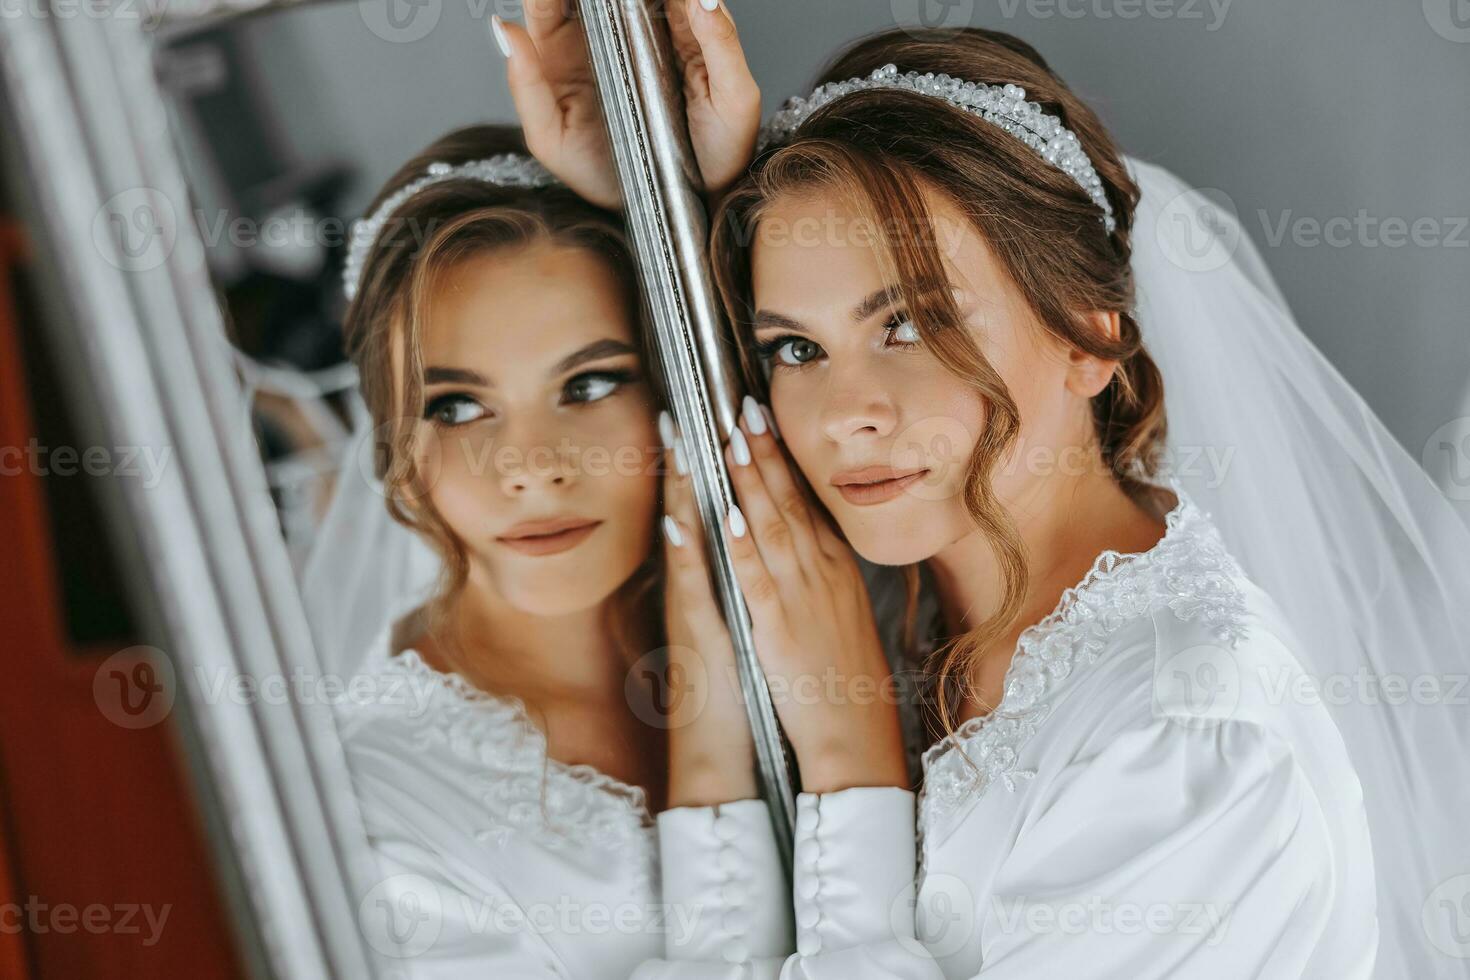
(456, 408)
(773, 351)
(449, 409)
(593, 386)
(770, 351)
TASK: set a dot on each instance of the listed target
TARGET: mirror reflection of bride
(506, 747)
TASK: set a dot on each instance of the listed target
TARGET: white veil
(1345, 530)
(364, 570)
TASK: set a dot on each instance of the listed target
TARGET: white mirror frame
(145, 334)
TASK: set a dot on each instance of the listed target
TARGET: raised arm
(551, 81)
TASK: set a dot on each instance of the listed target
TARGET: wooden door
(104, 872)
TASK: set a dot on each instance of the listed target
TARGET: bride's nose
(539, 466)
(856, 405)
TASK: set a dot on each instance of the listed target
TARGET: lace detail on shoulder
(1188, 570)
(526, 792)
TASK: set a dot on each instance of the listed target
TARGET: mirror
(193, 187)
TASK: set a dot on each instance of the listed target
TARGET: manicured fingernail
(666, 429)
(771, 420)
(672, 532)
(710, 4)
(755, 420)
(680, 463)
(498, 29)
(737, 522)
(740, 448)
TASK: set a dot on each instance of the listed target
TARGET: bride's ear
(1087, 374)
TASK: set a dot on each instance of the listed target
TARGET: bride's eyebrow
(595, 351)
(878, 299)
(453, 375)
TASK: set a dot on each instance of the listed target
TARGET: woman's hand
(551, 82)
(721, 97)
(711, 751)
(813, 623)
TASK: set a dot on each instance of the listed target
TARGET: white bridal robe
(496, 861)
(1158, 794)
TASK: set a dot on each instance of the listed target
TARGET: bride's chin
(550, 594)
(552, 601)
(888, 548)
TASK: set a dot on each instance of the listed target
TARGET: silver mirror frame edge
(633, 65)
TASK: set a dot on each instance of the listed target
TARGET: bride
(943, 275)
(1114, 792)
(506, 741)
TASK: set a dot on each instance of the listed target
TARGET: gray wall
(1301, 111)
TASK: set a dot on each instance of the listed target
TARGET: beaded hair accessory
(502, 170)
(1004, 106)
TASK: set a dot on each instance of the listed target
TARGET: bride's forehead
(817, 250)
(535, 297)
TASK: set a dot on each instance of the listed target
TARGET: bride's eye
(902, 332)
(789, 350)
(453, 409)
(594, 386)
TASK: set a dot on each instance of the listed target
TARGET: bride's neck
(1064, 523)
(506, 649)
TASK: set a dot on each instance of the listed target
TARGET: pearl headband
(1001, 105)
(504, 170)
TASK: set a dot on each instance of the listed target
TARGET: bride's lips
(875, 484)
(548, 537)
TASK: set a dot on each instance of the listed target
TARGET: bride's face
(859, 399)
(540, 443)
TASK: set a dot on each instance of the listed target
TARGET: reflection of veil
(1344, 530)
(365, 570)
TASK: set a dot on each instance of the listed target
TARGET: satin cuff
(722, 874)
(855, 868)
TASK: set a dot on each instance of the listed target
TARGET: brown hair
(1045, 231)
(429, 233)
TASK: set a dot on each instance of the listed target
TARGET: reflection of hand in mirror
(518, 752)
(504, 353)
(551, 81)
(711, 754)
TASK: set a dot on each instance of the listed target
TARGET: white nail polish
(498, 29)
(671, 531)
(710, 4)
(666, 429)
(755, 421)
(680, 463)
(737, 522)
(740, 448)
